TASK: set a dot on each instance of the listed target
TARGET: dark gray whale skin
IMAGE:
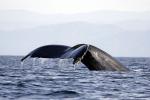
(92, 57)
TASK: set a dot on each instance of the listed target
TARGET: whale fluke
(48, 51)
(91, 56)
(97, 59)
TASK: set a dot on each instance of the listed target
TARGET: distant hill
(20, 19)
(115, 40)
(118, 33)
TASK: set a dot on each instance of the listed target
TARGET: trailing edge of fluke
(91, 56)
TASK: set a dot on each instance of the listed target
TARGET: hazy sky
(75, 6)
(11, 41)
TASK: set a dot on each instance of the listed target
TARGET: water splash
(33, 61)
(42, 60)
(61, 63)
(74, 66)
(22, 63)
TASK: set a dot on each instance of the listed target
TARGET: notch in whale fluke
(91, 56)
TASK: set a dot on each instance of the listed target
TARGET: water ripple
(52, 79)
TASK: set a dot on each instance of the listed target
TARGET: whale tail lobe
(48, 51)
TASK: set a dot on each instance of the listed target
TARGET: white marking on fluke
(80, 58)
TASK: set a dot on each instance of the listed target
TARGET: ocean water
(57, 79)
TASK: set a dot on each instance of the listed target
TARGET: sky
(74, 6)
(68, 7)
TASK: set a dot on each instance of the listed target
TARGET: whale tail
(91, 56)
(58, 51)
(48, 51)
(25, 57)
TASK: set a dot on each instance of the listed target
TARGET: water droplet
(22, 63)
(33, 61)
(43, 60)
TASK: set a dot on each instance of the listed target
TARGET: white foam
(43, 60)
(22, 63)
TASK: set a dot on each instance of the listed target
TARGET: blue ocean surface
(59, 79)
